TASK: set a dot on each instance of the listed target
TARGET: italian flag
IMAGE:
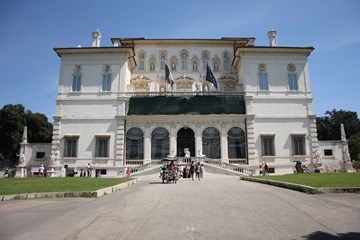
(168, 76)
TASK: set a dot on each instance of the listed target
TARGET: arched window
(134, 144)
(184, 55)
(216, 64)
(195, 63)
(173, 64)
(205, 56)
(226, 58)
(142, 56)
(159, 143)
(236, 143)
(211, 143)
(152, 64)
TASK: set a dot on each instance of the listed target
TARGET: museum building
(141, 100)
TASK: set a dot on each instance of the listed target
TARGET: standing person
(192, 170)
(41, 170)
(202, 171)
(128, 172)
(263, 169)
(266, 170)
(89, 169)
(260, 167)
(198, 169)
(186, 172)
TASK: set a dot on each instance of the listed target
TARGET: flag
(210, 77)
(168, 76)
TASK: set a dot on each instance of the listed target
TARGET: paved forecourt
(217, 207)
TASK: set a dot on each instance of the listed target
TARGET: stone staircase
(211, 165)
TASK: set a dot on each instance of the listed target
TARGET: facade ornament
(291, 67)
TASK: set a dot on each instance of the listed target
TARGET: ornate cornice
(93, 50)
(98, 50)
(273, 50)
(131, 42)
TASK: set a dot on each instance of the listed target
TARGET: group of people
(192, 170)
(88, 171)
(264, 169)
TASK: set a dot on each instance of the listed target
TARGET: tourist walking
(89, 169)
(197, 170)
(202, 171)
(266, 170)
(192, 170)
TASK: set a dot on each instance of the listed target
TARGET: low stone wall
(97, 193)
(301, 188)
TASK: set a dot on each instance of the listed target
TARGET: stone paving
(216, 207)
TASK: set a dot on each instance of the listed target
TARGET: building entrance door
(185, 139)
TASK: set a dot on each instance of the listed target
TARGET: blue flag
(210, 77)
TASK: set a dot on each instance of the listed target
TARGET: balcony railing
(169, 93)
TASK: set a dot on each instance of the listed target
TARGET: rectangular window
(267, 143)
(183, 65)
(106, 84)
(40, 154)
(263, 81)
(76, 84)
(293, 84)
(141, 65)
(328, 152)
(162, 65)
(298, 145)
(70, 146)
(102, 147)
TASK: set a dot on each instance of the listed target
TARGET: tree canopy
(13, 118)
(328, 128)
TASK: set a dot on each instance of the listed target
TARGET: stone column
(55, 145)
(147, 146)
(224, 144)
(198, 141)
(173, 141)
(21, 168)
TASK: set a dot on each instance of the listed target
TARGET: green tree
(328, 128)
(13, 118)
(354, 147)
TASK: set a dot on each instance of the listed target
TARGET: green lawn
(69, 184)
(320, 180)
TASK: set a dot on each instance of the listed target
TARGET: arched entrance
(185, 139)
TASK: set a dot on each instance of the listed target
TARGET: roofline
(230, 40)
(282, 50)
(92, 50)
(240, 51)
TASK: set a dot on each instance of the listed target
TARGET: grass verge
(69, 184)
(320, 180)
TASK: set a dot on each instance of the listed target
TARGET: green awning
(196, 105)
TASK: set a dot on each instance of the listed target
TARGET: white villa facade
(115, 109)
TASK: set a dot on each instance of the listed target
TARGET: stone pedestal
(50, 172)
(20, 172)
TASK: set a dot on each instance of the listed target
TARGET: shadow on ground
(327, 236)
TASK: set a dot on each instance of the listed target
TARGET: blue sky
(31, 29)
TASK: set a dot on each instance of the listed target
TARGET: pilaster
(120, 142)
